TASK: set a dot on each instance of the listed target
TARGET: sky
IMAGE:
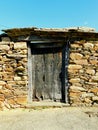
(48, 13)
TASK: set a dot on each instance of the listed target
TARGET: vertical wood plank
(39, 75)
(30, 92)
(33, 76)
(56, 78)
(48, 76)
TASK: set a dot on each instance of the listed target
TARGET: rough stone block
(92, 84)
(76, 46)
(77, 67)
(11, 101)
(11, 83)
(21, 100)
(76, 56)
(16, 56)
(95, 98)
(93, 62)
(94, 90)
(96, 47)
(1, 104)
(7, 93)
(20, 69)
(1, 87)
(97, 74)
(21, 82)
(4, 47)
(88, 45)
(7, 86)
(85, 95)
(75, 80)
(81, 62)
(20, 45)
(2, 98)
(8, 69)
(90, 71)
(73, 71)
(74, 94)
(77, 88)
(7, 105)
(7, 77)
(2, 82)
(87, 100)
(17, 78)
(95, 78)
(19, 92)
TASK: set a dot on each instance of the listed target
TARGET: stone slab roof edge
(73, 32)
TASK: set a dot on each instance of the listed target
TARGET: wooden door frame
(29, 87)
(64, 75)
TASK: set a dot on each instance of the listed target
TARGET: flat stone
(75, 80)
(95, 78)
(77, 88)
(4, 47)
(88, 45)
(7, 86)
(4, 43)
(94, 62)
(74, 94)
(87, 29)
(11, 101)
(7, 105)
(19, 92)
(92, 83)
(20, 45)
(7, 93)
(96, 47)
(77, 84)
(94, 90)
(21, 82)
(24, 52)
(1, 62)
(17, 78)
(97, 74)
(21, 100)
(11, 83)
(95, 98)
(72, 71)
(20, 69)
(76, 56)
(1, 87)
(77, 67)
(16, 56)
(2, 82)
(81, 62)
(0, 57)
(87, 100)
(76, 46)
(2, 98)
(90, 71)
(7, 77)
(8, 69)
(1, 104)
(24, 77)
(84, 95)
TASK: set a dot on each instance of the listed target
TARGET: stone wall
(83, 73)
(13, 74)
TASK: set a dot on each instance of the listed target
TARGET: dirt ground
(67, 118)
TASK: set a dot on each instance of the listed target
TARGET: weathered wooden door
(46, 69)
